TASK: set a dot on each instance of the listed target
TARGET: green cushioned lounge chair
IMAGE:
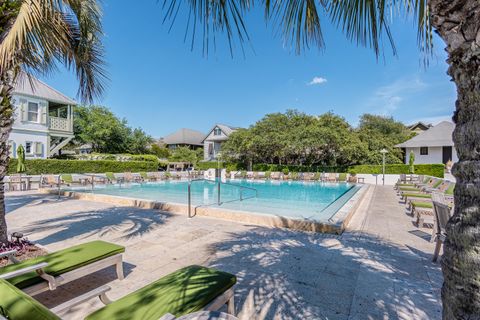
(342, 177)
(184, 291)
(422, 204)
(63, 266)
(66, 178)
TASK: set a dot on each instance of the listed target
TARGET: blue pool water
(296, 199)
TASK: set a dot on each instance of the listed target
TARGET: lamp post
(383, 152)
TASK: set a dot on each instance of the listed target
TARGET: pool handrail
(218, 183)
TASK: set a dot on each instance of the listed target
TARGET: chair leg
(231, 305)
(436, 252)
(119, 268)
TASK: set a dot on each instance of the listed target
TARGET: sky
(157, 82)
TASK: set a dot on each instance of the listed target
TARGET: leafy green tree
(35, 36)
(379, 132)
(183, 154)
(139, 142)
(160, 152)
(100, 127)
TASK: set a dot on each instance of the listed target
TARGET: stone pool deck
(379, 269)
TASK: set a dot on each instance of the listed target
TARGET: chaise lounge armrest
(8, 254)
(98, 292)
(36, 267)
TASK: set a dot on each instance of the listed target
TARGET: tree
(35, 35)
(160, 152)
(139, 142)
(98, 126)
(457, 22)
(380, 132)
(107, 133)
(184, 154)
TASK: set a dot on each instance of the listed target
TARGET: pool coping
(336, 225)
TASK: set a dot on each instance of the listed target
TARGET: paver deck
(379, 269)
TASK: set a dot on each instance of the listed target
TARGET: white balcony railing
(59, 124)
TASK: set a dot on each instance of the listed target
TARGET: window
(217, 132)
(424, 151)
(28, 147)
(33, 111)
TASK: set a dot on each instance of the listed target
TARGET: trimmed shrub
(435, 170)
(296, 168)
(55, 166)
(205, 165)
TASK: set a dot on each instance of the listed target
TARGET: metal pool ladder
(219, 184)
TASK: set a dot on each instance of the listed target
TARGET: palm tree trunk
(6, 121)
(458, 23)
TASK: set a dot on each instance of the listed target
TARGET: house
(419, 127)
(84, 149)
(43, 119)
(434, 145)
(184, 138)
(212, 143)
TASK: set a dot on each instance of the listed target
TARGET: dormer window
(217, 132)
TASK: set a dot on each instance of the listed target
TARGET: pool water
(306, 200)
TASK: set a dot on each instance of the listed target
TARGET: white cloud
(317, 80)
(386, 99)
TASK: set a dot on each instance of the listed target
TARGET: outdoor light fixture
(383, 152)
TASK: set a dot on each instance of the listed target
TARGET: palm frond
(367, 21)
(47, 32)
(214, 17)
(299, 21)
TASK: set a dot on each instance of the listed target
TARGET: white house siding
(213, 140)
(38, 143)
(33, 132)
(435, 155)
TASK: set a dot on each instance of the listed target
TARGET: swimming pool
(315, 201)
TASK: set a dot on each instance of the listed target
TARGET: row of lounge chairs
(301, 176)
(184, 291)
(110, 177)
(428, 197)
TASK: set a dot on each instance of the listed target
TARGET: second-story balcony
(60, 118)
(59, 124)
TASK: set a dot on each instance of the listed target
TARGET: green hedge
(435, 170)
(54, 166)
(296, 168)
(204, 165)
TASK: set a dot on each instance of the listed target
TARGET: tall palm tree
(367, 22)
(36, 35)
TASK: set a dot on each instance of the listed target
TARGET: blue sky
(159, 84)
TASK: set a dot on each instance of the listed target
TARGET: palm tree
(366, 22)
(35, 35)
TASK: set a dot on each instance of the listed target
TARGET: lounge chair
(308, 176)
(260, 175)
(112, 178)
(331, 177)
(276, 175)
(62, 266)
(158, 175)
(342, 177)
(50, 180)
(184, 291)
(15, 181)
(250, 175)
(445, 187)
(130, 177)
(442, 214)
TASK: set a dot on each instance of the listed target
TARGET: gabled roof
(420, 125)
(437, 136)
(185, 136)
(227, 130)
(36, 88)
